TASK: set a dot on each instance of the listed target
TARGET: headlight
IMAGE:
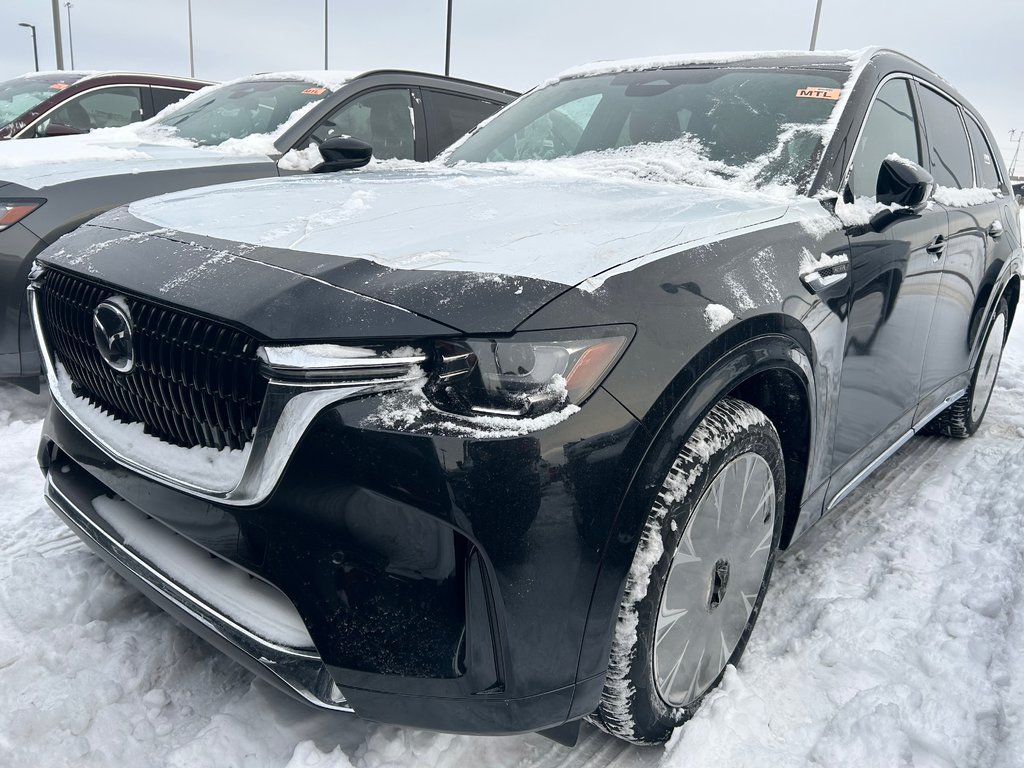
(13, 211)
(523, 376)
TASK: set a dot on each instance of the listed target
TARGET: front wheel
(698, 576)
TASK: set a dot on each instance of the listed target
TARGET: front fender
(712, 374)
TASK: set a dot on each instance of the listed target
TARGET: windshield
(237, 110)
(698, 126)
(21, 94)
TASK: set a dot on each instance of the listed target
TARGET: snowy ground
(889, 638)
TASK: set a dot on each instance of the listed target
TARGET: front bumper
(444, 582)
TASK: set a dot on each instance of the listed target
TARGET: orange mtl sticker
(58, 86)
(315, 91)
(818, 93)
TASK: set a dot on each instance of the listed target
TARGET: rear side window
(984, 162)
(891, 127)
(164, 97)
(451, 116)
(949, 153)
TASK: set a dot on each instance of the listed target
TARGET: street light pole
(191, 49)
(448, 42)
(35, 48)
(325, 35)
(814, 32)
(71, 39)
(58, 42)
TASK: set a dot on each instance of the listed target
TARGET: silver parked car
(244, 129)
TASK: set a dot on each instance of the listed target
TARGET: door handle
(995, 229)
(937, 246)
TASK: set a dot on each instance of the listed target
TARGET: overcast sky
(975, 45)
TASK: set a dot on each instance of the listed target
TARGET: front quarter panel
(708, 318)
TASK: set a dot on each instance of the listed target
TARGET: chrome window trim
(170, 87)
(288, 410)
(51, 110)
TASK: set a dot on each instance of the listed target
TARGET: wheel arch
(1012, 295)
(762, 362)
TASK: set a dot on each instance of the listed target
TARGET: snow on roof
(62, 74)
(332, 79)
(847, 58)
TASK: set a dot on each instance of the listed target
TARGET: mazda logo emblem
(112, 329)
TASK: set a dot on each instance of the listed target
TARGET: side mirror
(57, 129)
(343, 153)
(904, 183)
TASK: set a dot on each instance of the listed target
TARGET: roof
(79, 76)
(849, 60)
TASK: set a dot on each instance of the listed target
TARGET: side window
(891, 127)
(949, 153)
(555, 134)
(451, 116)
(984, 162)
(105, 108)
(164, 97)
(383, 119)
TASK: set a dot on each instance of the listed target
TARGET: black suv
(513, 438)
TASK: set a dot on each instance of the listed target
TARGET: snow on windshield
(248, 126)
(722, 126)
(240, 109)
(20, 94)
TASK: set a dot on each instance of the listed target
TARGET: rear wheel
(698, 576)
(963, 417)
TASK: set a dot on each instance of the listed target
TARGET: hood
(558, 229)
(476, 252)
(44, 163)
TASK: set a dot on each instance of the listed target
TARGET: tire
(733, 451)
(962, 418)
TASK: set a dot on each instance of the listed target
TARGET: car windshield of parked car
(19, 95)
(691, 125)
(241, 109)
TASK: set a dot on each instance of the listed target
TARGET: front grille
(195, 382)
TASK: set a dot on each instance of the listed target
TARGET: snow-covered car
(250, 128)
(512, 439)
(64, 103)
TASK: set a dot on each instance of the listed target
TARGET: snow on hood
(62, 159)
(147, 146)
(559, 228)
